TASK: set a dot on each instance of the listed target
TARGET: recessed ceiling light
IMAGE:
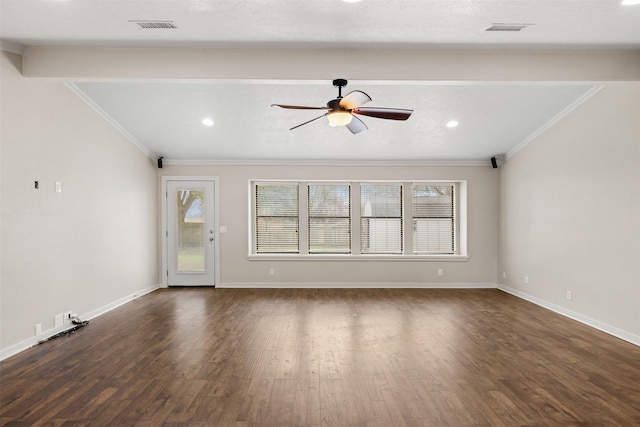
(452, 123)
(630, 2)
(351, 1)
(207, 122)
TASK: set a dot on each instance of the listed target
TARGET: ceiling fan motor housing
(334, 104)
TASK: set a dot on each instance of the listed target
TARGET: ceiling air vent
(507, 27)
(147, 25)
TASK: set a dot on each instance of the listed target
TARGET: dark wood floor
(338, 357)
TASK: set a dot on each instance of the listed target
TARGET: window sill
(349, 257)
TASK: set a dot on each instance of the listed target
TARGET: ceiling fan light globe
(339, 118)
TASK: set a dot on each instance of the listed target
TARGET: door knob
(211, 239)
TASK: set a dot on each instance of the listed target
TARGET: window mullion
(253, 225)
(303, 209)
(407, 222)
(355, 218)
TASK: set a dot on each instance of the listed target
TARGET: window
(329, 218)
(381, 218)
(276, 217)
(359, 220)
(433, 219)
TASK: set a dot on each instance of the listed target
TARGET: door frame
(164, 228)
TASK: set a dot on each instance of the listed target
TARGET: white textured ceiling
(165, 117)
(370, 23)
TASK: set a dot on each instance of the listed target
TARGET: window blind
(381, 218)
(433, 219)
(330, 218)
(277, 220)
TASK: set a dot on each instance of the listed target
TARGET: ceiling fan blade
(312, 120)
(354, 99)
(384, 113)
(299, 107)
(356, 125)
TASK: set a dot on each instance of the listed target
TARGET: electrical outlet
(504, 274)
(569, 295)
(67, 316)
(440, 272)
(526, 279)
(272, 272)
(38, 329)
(58, 319)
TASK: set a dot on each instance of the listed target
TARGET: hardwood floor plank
(313, 402)
(314, 357)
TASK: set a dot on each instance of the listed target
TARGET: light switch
(223, 228)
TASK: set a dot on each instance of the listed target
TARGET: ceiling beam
(374, 65)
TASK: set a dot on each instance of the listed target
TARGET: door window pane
(191, 232)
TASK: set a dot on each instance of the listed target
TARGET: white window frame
(409, 205)
(308, 216)
(403, 216)
(253, 227)
(460, 224)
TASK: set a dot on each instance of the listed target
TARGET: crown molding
(12, 47)
(80, 94)
(305, 162)
(562, 114)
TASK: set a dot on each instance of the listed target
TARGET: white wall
(570, 214)
(237, 270)
(88, 247)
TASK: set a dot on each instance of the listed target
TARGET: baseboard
(601, 326)
(118, 303)
(357, 285)
(32, 341)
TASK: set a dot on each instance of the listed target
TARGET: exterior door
(190, 233)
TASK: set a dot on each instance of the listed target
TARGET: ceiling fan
(341, 111)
